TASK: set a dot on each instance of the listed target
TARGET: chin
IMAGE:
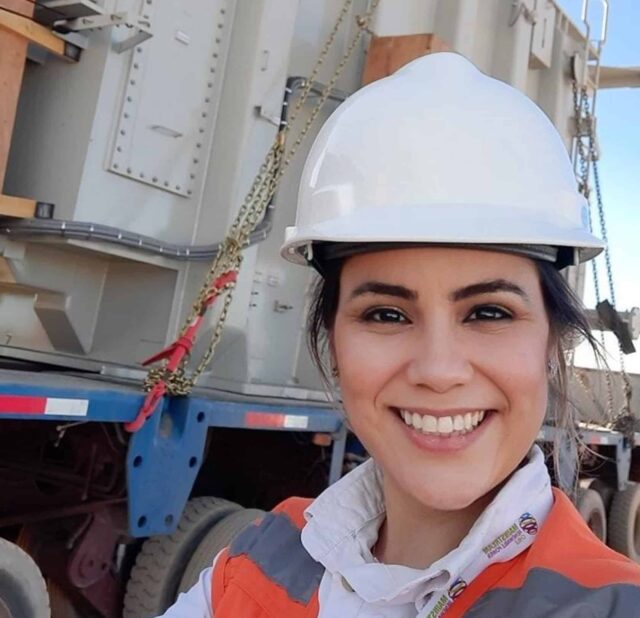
(448, 495)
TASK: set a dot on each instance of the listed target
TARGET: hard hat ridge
(439, 153)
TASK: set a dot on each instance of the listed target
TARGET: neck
(416, 535)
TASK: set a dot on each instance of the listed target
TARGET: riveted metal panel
(167, 103)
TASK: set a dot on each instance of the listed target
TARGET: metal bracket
(141, 25)
(623, 463)
(162, 464)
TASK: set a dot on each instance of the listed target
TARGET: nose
(439, 360)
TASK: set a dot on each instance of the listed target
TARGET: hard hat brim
(504, 226)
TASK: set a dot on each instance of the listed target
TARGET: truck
(144, 144)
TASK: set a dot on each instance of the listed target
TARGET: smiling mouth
(444, 426)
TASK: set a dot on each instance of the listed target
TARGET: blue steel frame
(164, 457)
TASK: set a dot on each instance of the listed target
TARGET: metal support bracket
(140, 25)
(162, 464)
(623, 463)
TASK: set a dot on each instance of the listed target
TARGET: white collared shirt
(342, 526)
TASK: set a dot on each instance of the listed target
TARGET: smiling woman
(443, 318)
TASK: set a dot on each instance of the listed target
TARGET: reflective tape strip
(21, 404)
(549, 593)
(67, 407)
(274, 546)
(275, 420)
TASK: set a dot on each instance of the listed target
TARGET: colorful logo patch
(528, 523)
(457, 588)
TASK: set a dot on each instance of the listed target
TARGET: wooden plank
(37, 34)
(20, 207)
(387, 54)
(13, 53)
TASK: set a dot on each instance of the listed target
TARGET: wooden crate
(387, 54)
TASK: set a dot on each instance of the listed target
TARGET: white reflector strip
(67, 407)
(292, 421)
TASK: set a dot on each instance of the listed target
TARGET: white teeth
(429, 424)
(444, 425)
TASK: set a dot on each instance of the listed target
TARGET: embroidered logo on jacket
(513, 534)
(528, 523)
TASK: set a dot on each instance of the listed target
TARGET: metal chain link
(588, 154)
(253, 208)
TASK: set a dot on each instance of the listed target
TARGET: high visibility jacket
(566, 573)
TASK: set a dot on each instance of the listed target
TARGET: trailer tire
(157, 572)
(591, 507)
(624, 522)
(605, 490)
(219, 537)
(23, 591)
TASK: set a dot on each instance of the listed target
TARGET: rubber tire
(22, 587)
(156, 574)
(591, 507)
(605, 490)
(624, 522)
(219, 537)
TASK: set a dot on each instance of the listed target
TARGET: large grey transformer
(147, 147)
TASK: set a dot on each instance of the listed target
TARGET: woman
(438, 206)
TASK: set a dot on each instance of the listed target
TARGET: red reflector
(264, 419)
(16, 404)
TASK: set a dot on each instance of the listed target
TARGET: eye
(488, 313)
(385, 315)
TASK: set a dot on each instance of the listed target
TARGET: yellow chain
(253, 208)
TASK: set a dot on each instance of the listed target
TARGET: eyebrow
(384, 289)
(488, 287)
(492, 286)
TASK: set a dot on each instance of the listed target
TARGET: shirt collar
(343, 522)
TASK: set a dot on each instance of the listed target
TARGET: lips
(443, 425)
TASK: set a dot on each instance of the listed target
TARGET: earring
(334, 371)
(552, 367)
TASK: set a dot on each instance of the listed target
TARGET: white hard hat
(440, 153)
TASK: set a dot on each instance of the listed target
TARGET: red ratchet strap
(176, 353)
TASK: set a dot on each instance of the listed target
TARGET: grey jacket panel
(274, 546)
(549, 594)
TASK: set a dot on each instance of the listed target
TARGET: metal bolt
(122, 132)
(133, 82)
(166, 183)
(118, 149)
(139, 50)
(128, 170)
(217, 40)
(141, 174)
(115, 166)
(177, 187)
(129, 99)
(201, 130)
(125, 115)
(189, 192)
(207, 100)
(136, 65)
(212, 70)
(198, 145)
(195, 161)
(215, 55)
(155, 179)
(204, 114)
(209, 84)
(192, 176)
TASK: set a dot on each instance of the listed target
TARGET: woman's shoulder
(566, 572)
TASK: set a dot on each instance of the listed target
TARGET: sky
(618, 127)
